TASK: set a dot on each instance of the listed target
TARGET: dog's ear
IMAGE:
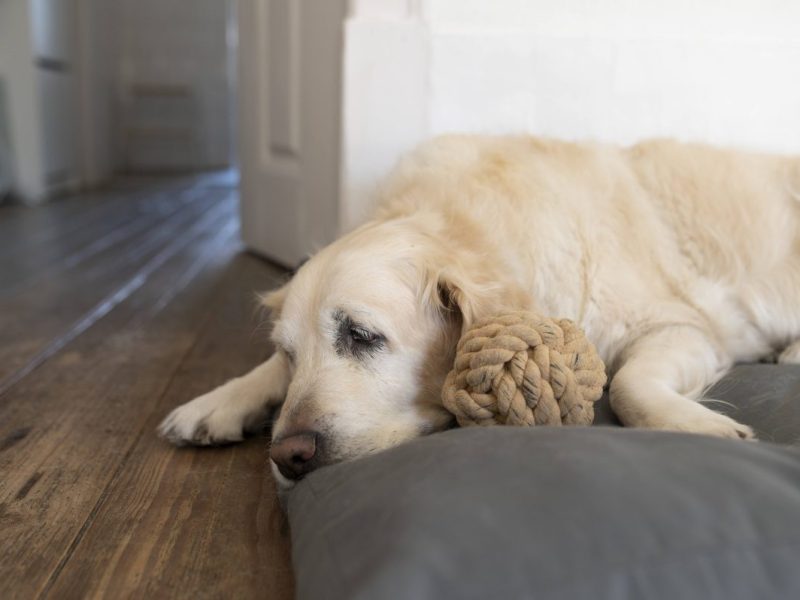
(458, 297)
(462, 298)
(462, 295)
(273, 301)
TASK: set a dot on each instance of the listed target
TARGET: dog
(677, 260)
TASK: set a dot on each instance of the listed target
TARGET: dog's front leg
(226, 413)
(661, 378)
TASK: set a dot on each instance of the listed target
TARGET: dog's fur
(678, 260)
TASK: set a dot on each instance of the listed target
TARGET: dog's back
(662, 230)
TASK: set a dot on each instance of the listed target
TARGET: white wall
(386, 104)
(173, 45)
(152, 43)
(723, 71)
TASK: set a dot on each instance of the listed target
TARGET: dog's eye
(363, 336)
(353, 339)
(363, 342)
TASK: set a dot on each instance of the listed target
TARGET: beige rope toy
(524, 369)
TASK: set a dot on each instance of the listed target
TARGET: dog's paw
(702, 420)
(204, 421)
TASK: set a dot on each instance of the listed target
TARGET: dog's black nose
(295, 454)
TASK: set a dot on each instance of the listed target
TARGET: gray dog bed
(599, 512)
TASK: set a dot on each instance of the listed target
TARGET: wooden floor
(115, 307)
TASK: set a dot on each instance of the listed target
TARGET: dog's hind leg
(224, 415)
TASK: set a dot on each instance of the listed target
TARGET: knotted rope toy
(524, 369)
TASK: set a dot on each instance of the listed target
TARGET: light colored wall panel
(283, 76)
(737, 93)
(53, 24)
(386, 104)
(18, 71)
(59, 131)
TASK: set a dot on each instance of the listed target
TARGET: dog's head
(369, 328)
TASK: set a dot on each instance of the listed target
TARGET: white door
(290, 55)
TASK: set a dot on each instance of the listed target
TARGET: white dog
(677, 260)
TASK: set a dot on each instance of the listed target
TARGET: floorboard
(23, 230)
(92, 503)
(219, 504)
(125, 218)
(56, 302)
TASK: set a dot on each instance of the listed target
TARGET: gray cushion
(597, 512)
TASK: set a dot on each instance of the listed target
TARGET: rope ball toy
(524, 369)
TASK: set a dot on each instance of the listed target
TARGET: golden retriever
(677, 259)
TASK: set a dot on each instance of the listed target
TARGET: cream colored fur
(678, 260)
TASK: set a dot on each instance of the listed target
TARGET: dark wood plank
(72, 430)
(195, 523)
(71, 425)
